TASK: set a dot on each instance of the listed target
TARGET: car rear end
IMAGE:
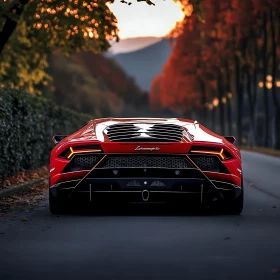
(162, 164)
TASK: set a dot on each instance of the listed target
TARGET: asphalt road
(153, 245)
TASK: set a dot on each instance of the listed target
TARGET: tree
(71, 25)
(178, 88)
(274, 20)
(237, 46)
(30, 30)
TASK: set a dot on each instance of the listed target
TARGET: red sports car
(146, 160)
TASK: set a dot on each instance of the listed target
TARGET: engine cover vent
(132, 132)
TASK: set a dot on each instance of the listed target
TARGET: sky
(140, 19)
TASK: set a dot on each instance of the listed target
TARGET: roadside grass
(262, 150)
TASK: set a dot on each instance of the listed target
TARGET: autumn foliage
(217, 65)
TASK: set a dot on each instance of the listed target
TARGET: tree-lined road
(153, 246)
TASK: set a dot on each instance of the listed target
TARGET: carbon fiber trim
(147, 161)
(81, 162)
(202, 186)
(209, 163)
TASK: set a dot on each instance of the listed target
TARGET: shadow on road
(143, 209)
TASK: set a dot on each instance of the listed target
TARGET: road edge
(263, 151)
(21, 188)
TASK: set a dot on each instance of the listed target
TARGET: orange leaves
(186, 7)
(213, 83)
(176, 88)
(203, 51)
(262, 5)
(278, 51)
(179, 80)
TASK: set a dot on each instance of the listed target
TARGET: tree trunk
(239, 97)
(221, 104)
(213, 112)
(277, 129)
(251, 108)
(274, 90)
(10, 24)
(255, 89)
(214, 119)
(203, 100)
(265, 91)
(228, 89)
(256, 71)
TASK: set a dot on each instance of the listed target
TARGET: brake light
(69, 152)
(220, 152)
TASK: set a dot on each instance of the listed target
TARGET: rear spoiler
(230, 139)
(58, 138)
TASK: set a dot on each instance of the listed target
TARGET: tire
(236, 206)
(56, 205)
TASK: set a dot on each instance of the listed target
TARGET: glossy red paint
(93, 134)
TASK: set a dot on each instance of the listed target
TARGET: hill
(131, 44)
(94, 84)
(144, 64)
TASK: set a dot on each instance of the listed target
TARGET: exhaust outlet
(145, 195)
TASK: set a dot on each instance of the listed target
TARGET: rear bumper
(146, 178)
(197, 190)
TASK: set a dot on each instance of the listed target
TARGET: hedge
(27, 124)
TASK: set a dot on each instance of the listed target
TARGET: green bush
(27, 124)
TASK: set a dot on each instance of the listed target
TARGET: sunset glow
(140, 19)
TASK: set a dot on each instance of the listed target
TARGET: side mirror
(58, 138)
(230, 139)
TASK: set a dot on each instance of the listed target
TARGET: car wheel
(56, 205)
(235, 207)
